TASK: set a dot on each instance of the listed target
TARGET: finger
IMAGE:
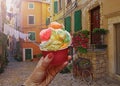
(69, 58)
(47, 60)
(65, 64)
(40, 61)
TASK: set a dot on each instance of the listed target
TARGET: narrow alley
(87, 30)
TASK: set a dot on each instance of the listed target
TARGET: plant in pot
(102, 32)
(80, 41)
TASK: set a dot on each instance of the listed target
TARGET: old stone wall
(99, 62)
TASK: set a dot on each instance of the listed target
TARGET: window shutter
(68, 23)
(47, 21)
(77, 20)
(55, 7)
(32, 36)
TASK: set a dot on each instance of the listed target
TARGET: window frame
(33, 19)
(35, 35)
(29, 5)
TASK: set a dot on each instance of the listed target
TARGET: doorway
(117, 26)
(95, 23)
(28, 54)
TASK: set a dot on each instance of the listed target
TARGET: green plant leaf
(82, 50)
(100, 31)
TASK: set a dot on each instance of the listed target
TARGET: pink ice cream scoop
(45, 34)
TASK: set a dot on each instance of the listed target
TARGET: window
(28, 54)
(55, 6)
(31, 36)
(30, 5)
(78, 20)
(31, 19)
(60, 4)
(68, 23)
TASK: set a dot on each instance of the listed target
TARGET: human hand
(44, 73)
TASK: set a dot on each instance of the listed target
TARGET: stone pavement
(17, 72)
(68, 80)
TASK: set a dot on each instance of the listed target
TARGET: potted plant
(101, 32)
(80, 41)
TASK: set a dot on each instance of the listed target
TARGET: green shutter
(47, 21)
(28, 54)
(77, 20)
(32, 36)
(68, 23)
(55, 7)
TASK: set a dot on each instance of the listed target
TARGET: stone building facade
(90, 14)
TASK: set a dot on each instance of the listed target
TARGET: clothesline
(8, 30)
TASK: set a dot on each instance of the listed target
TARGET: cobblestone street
(17, 72)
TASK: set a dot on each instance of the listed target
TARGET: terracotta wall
(37, 12)
(40, 12)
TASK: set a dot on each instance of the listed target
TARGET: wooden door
(118, 49)
(95, 23)
(28, 54)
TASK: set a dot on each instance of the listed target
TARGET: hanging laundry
(8, 30)
(23, 36)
